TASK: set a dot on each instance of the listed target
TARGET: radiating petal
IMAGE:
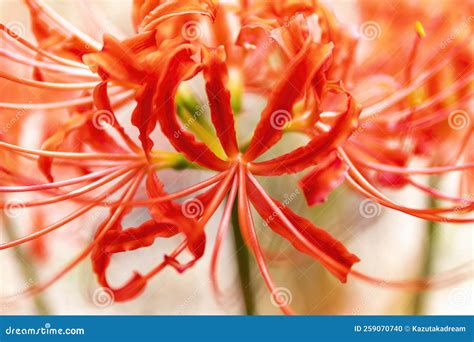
(316, 149)
(216, 75)
(290, 88)
(318, 237)
(181, 67)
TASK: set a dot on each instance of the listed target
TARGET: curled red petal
(179, 68)
(289, 89)
(316, 236)
(117, 240)
(102, 102)
(316, 149)
(324, 178)
(55, 141)
(53, 37)
(216, 75)
(118, 61)
(139, 237)
(177, 215)
(175, 8)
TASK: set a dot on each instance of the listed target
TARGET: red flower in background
(293, 53)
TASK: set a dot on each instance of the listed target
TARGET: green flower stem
(428, 255)
(26, 266)
(243, 263)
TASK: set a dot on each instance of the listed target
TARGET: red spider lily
(428, 99)
(304, 88)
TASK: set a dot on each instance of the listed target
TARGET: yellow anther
(420, 30)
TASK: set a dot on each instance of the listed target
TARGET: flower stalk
(26, 265)
(243, 263)
(429, 252)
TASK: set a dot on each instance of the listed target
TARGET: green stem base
(243, 263)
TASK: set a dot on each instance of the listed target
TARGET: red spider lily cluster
(367, 122)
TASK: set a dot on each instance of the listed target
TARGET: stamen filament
(71, 155)
(130, 192)
(248, 228)
(62, 222)
(65, 25)
(221, 233)
(40, 51)
(47, 66)
(77, 192)
(49, 85)
(59, 184)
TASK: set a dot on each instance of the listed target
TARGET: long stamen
(47, 66)
(426, 214)
(118, 96)
(64, 24)
(410, 171)
(221, 233)
(62, 222)
(443, 280)
(414, 51)
(99, 19)
(49, 85)
(360, 183)
(435, 193)
(248, 228)
(439, 281)
(427, 103)
(42, 52)
(403, 93)
(130, 192)
(71, 155)
(219, 196)
(59, 184)
(77, 192)
(179, 194)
